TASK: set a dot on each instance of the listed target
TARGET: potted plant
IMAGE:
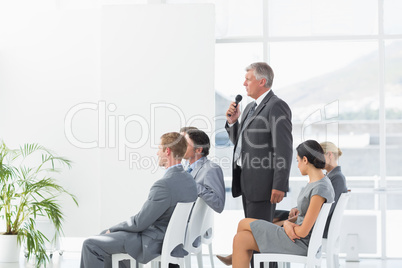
(28, 190)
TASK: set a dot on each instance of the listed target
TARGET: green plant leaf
(29, 191)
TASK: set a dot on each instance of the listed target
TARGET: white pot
(9, 249)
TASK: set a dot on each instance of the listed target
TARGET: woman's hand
(294, 212)
(289, 230)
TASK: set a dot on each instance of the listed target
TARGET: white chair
(331, 244)
(175, 234)
(122, 256)
(207, 233)
(193, 239)
(313, 257)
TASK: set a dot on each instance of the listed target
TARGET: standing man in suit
(207, 174)
(142, 235)
(262, 145)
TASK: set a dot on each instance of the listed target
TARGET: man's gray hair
(262, 70)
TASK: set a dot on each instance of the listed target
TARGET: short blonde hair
(176, 142)
(328, 146)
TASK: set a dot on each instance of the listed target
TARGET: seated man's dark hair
(200, 140)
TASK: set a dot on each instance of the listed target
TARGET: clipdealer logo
(112, 129)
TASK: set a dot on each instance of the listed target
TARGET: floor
(71, 260)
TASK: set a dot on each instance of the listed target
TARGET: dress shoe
(226, 260)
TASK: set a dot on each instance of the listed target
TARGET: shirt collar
(193, 165)
(260, 98)
(173, 166)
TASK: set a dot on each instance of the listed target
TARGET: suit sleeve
(158, 202)
(212, 189)
(232, 131)
(281, 127)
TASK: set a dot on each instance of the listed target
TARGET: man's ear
(198, 150)
(168, 151)
(262, 82)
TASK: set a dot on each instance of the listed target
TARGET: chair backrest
(334, 230)
(314, 247)
(193, 234)
(207, 228)
(175, 232)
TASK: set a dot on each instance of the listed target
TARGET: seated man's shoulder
(179, 185)
(212, 166)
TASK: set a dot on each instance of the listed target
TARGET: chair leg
(336, 261)
(116, 258)
(199, 259)
(140, 265)
(133, 263)
(211, 256)
(330, 260)
(115, 262)
(187, 261)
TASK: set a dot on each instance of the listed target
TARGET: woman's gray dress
(272, 239)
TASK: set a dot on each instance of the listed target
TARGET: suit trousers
(97, 250)
(262, 210)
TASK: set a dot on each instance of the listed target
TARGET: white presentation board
(157, 76)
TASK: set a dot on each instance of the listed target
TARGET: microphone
(237, 100)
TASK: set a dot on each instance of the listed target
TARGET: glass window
(332, 89)
(234, 18)
(392, 17)
(393, 108)
(230, 63)
(318, 17)
(238, 18)
(393, 220)
(188, 1)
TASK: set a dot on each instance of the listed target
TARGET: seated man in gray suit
(207, 174)
(142, 235)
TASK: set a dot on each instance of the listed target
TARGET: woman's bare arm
(311, 216)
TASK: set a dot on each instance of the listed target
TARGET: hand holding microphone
(233, 113)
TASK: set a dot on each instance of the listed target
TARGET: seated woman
(334, 174)
(293, 237)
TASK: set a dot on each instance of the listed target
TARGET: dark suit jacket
(339, 183)
(146, 230)
(267, 148)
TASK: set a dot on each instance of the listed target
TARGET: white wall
(59, 71)
(48, 63)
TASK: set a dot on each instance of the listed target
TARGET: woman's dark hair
(313, 151)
